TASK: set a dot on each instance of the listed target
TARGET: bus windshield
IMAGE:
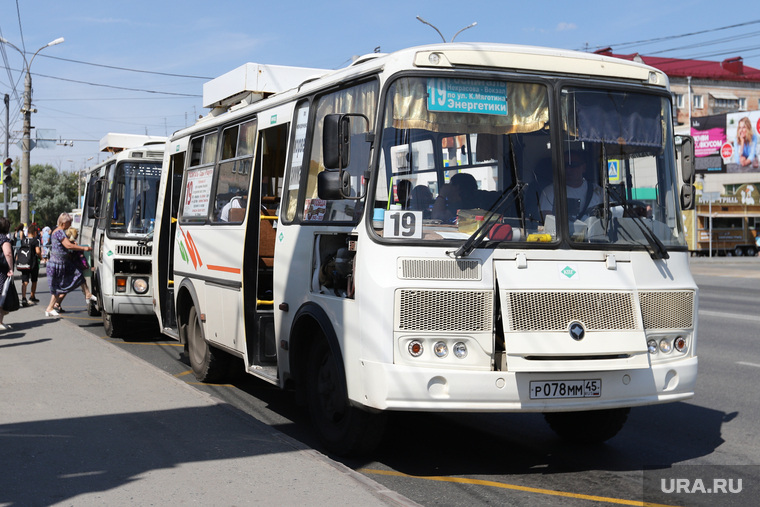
(459, 157)
(132, 203)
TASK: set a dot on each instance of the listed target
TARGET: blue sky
(196, 40)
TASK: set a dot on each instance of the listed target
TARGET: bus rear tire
(208, 363)
(343, 429)
(588, 427)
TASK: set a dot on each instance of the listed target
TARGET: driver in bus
(582, 195)
(460, 193)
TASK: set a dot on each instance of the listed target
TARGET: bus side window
(234, 173)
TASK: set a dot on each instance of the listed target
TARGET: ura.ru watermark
(696, 486)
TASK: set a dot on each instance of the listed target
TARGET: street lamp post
(26, 142)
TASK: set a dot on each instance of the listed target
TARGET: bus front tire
(343, 429)
(208, 363)
(113, 324)
(588, 427)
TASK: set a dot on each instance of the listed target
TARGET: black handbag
(11, 303)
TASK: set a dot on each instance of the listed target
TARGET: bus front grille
(444, 310)
(552, 311)
(673, 309)
(136, 250)
(438, 269)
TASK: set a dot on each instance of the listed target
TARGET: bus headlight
(140, 285)
(440, 349)
(652, 346)
(460, 350)
(665, 345)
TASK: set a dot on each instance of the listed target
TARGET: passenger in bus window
(237, 202)
(422, 200)
(403, 192)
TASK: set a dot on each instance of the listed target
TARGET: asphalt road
(515, 459)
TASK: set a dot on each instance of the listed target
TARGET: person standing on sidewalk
(62, 273)
(6, 263)
(32, 241)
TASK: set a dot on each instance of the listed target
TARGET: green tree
(54, 192)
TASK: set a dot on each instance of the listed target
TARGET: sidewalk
(84, 423)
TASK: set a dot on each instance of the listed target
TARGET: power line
(117, 87)
(671, 37)
(125, 68)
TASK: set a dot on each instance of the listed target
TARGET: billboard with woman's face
(727, 143)
(740, 151)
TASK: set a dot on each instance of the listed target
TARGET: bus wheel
(208, 363)
(92, 309)
(738, 251)
(343, 429)
(589, 427)
(113, 324)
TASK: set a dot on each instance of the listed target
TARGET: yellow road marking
(479, 482)
(124, 342)
(187, 372)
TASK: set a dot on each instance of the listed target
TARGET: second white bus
(117, 220)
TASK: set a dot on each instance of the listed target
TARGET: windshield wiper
(657, 249)
(477, 237)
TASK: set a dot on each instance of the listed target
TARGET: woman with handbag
(6, 273)
(62, 273)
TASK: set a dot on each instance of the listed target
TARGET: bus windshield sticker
(314, 210)
(467, 96)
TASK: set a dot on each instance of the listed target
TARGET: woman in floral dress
(62, 273)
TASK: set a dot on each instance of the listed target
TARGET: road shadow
(496, 444)
(49, 462)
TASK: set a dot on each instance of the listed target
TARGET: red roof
(730, 69)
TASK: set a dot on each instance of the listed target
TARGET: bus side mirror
(687, 159)
(333, 185)
(688, 171)
(94, 199)
(336, 141)
(687, 196)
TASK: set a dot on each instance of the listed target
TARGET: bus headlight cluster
(667, 344)
(140, 285)
(440, 349)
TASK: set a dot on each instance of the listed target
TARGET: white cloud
(564, 26)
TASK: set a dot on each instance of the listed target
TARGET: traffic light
(7, 172)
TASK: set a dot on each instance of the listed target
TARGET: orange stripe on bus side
(222, 268)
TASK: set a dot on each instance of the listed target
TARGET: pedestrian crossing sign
(613, 170)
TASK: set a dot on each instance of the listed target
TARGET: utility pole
(26, 142)
(6, 189)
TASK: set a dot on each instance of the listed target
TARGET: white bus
(118, 219)
(403, 238)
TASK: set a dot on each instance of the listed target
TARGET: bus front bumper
(399, 387)
(128, 304)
